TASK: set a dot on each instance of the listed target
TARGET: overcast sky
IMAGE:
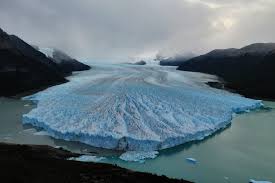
(134, 28)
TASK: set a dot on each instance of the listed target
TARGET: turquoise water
(244, 150)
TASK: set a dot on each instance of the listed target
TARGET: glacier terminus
(135, 108)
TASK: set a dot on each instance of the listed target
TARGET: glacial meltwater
(242, 151)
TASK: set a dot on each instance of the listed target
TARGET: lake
(242, 151)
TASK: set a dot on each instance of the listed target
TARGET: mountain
(142, 62)
(257, 49)
(65, 62)
(175, 61)
(22, 68)
(249, 70)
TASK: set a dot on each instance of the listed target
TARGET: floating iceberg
(191, 160)
(134, 108)
(41, 133)
(87, 158)
(138, 156)
(258, 181)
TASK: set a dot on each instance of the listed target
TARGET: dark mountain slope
(249, 70)
(22, 68)
(175, 61)
(66, 63)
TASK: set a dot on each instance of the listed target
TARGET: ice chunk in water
(258, 181)
(138, 156)
(87, 158)
(41, 133)
(191, 160)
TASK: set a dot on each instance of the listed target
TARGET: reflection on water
(244, 150)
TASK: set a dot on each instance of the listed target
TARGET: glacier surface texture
(135, 108)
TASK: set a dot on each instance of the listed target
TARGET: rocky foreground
(37, 163)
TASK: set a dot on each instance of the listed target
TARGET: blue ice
(135, 108)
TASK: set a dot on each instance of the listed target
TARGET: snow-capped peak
(47, 51)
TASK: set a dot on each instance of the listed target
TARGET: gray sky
(136, 28)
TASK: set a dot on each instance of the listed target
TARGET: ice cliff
(135, 108)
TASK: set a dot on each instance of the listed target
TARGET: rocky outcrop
(142, 62)
(249, 71)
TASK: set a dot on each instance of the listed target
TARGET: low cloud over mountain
(123, 28)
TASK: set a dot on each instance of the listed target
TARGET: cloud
(209, 4)
(124, 29)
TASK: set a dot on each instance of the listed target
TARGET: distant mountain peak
(46, 51)
(223, 52)
(259, 48)
(249, 70)
(176, 60)
(252, 49)
(23, 68)
(65, 62)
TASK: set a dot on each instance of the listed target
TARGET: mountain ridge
(65, 62)
(249, 70)
(23, 68)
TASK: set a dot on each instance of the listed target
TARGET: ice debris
(191, 160)
(87, 158)
(41, 133)
(258, 181)
(138, 156)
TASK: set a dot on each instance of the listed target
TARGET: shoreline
(223, 141)
(30, 163)
(222, 85)
(42, 147)
(131, 143)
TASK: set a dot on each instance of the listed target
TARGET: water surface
(137, 108)
(242, 151)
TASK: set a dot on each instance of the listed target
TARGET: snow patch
(47, 51)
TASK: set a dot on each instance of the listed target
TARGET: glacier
(135, 108)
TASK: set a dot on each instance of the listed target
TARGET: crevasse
(135, 108)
